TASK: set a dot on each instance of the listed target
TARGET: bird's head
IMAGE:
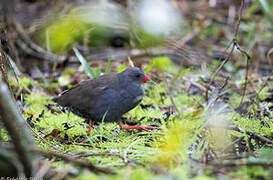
(134, 74)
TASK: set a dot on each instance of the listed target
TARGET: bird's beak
(145, 79)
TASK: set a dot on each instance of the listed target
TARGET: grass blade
(90, 73)
(107, 70)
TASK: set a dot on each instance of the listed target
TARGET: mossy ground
(146, 155)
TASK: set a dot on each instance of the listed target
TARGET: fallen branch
(261, 138)
(77, 162)
(108, 155)
(17, 129)
(31, 48)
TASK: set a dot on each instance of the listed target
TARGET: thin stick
(234, 44)
(82, 163)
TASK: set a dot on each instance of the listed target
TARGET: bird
(106, 98)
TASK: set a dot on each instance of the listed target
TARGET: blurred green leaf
(121, 67)
(148, 69)
(252, 8)
(98, 72)
(162, 63)
(63, 32)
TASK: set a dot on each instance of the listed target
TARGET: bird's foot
(90, 125)
(139, 128)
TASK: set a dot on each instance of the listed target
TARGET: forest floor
(213, 103)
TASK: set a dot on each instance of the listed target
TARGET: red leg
(91, 124)
(140, 128)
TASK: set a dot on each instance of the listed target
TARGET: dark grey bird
(106, 98)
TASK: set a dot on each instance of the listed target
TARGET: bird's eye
(138, 75)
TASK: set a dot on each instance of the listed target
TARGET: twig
(196, 84)
(262, 138)
(241, 163)
(33, 49)
(234, 44)
(171, 98)
(223, 63)
(219, 68)
(85, 164)
(17, 129)
(110, 154)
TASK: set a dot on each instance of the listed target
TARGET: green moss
(160, 63)
(3, 134)
(36, 102)
(255, 125)
(203, 177)
(166, 148)
(253, 172)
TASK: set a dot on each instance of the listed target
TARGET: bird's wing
(85, 94)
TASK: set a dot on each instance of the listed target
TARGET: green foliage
(161, 63)
(107, 70)
(255, 172)
(24, 82)
(141, 174)
(263, 93)
(3, 134)
(36, 102)
(122, 67)
(255, 125)
(61, 34)
(203, 177)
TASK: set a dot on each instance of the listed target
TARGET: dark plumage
(108, 96)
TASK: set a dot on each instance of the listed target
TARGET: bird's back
(83, 98)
